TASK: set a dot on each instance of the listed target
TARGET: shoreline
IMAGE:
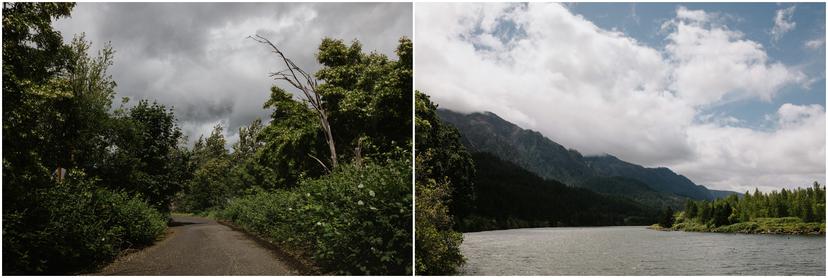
(752, 228)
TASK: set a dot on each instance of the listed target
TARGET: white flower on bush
(318, 223)
(360, 203)
(371, 192)
(360, 185)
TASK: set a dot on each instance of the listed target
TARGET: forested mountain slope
(486, 132)
(508, 196)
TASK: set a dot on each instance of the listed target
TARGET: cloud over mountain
(600, 91)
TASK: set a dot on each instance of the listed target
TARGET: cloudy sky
(730, 95)
(196, 57)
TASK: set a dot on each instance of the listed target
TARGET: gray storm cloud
(196, 57)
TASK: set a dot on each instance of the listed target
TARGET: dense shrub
(438, 246)
(76, 226)
(356, 220)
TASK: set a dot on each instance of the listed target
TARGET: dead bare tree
(305, 82)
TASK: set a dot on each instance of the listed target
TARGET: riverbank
(784, 225)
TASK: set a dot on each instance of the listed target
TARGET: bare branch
(307, 84)
(320, 163)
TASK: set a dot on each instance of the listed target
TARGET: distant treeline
(752, 212)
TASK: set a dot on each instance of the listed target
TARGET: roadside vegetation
(81, 182)
(328, 178)
(798, 211)
(353, 221)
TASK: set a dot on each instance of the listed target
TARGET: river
(639, 251)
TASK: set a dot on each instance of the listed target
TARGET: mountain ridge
(488, 132)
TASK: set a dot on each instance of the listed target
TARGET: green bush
(438, 246)
(356, 220)
(75, 227)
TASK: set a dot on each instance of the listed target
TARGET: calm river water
(639, 251)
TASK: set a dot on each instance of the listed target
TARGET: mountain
(508, 196)
(660, 179)
(718, 194)
(486, 132)
(634, 190)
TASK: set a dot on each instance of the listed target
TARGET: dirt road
(200, 246)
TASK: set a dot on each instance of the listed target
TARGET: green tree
(308, 86)
(444, 158)
(246, 173)
(249, 141)
(212, 147)
(690, 209)
(209, 187)
(56, 101)
(443, 188)
(145, 156)
(369, 98)
(362, 104)
(667, 218)
(33, 57)
(292, 141)
(85, 109)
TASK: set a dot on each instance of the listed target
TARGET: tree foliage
(666, 219)
(806, 204)
(127, 165)
(144, 154)
(371, 118)
(510, 197)
(292, 140)
(121, 166)
(367, 101)
(444, 190)
(353, 218)
(33, 58)
(441, 157)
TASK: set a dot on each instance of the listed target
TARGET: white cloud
(782, 23)
(683, 13)
(729, 64)
(599, 91)
(815, 43)
(741, 158)
(794, 115)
